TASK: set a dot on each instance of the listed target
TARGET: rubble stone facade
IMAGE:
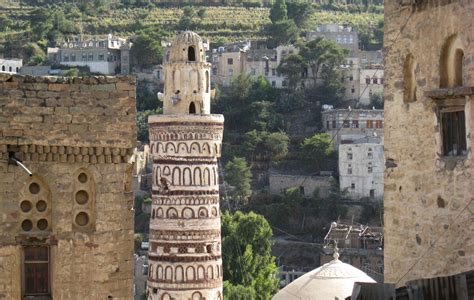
(429, 127)
(66, 231)
(185, 142)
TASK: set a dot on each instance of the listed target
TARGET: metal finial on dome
(336, 253)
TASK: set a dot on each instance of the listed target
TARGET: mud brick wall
(76, 135)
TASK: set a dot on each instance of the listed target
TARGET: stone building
(371, 83)
(307, 185)
(346, 36)
(66, 224)
(11, 66)
(361, 168)
(105, 56)
(185, 241)
(429, 189)
(350, 124)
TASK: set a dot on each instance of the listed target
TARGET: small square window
(353, 185)
(230, 61)
(369, 169)
(370, 155)
(349, 171)
(346, 124)
(349, 156)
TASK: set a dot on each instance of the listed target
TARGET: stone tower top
(187, 47)
(187, 82)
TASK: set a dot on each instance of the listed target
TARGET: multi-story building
(361, 167)
(66, 219)
(346, 36)
(11, 66)
(429, 94)
(351, 123)
(105, 56)
(370, 84)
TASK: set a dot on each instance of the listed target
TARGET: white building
(361, 167)
(107, 56)
(346, 36)
(11, 66)
(371, 83)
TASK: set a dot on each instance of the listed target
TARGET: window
(353, 90)
(381, 81)
(284, 83)
(253, 71)
(370, 155)
(231, 72)
(451, 62)
(327, 124)
(273, 83)
(10, 68)
(3, 68)
(349, 170)
(301, 190)
(84, 56)
(91, 57)
(353, 186)
(355, 124)
(367, 80)
(346, 124)
(73, 57)
(101, 57)
(372, 194)
(378, 124)
(273, 72)
(214, 71)
(333, 124)
(66, 57)
(230, 61)
(349, 156)
(191, 53)
(36, 271)
(351, 78)
(369, 168)
(374, 81)
(453, 130)
(370, 124)
(192, 109)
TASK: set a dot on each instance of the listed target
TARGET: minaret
(184, 257)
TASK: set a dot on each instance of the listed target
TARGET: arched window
(207, 81)
(3, 68)
(192, 108)
(409, 81)
(450, 64)
(191, 53)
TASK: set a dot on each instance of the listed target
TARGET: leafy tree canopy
(238, 175)
(248, 264)
(317, 148)
(278, 12)
(146, 51)
(292, 67)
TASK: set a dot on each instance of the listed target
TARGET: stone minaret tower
(185, 237)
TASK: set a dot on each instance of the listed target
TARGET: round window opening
(26, 225)
(25, 206)
(41, 205)
(42, 224)
(82, 219)
(82, 197)
(82, 178)
(34, 188)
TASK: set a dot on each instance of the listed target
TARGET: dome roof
(188, 38)
(334, 279)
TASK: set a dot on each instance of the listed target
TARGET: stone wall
(76, 135)
(307, 184)
(428, 196)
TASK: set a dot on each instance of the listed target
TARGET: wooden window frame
(23, 271)
(443, 146)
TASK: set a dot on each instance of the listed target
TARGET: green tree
(317, 148)
(282, 33)
(142, 123)
(146, 51)
(73, 72)
(292, 67)
(321, 52)
(41, 22)
(248, 264)
(278, 12)
(238, 175)
(277, 144)
(300, 11)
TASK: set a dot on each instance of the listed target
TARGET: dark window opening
(372, 194)
(36, 279)
(192, 108)
(458, 59)
(353, 186)
(302, 190)
(453, 125)
(346, 124)
(333, 124)
(191, 53)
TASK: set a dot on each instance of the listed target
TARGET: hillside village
(302, 157)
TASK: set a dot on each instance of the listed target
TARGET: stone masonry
(66, 232)
(429, 127)
(185, 260)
